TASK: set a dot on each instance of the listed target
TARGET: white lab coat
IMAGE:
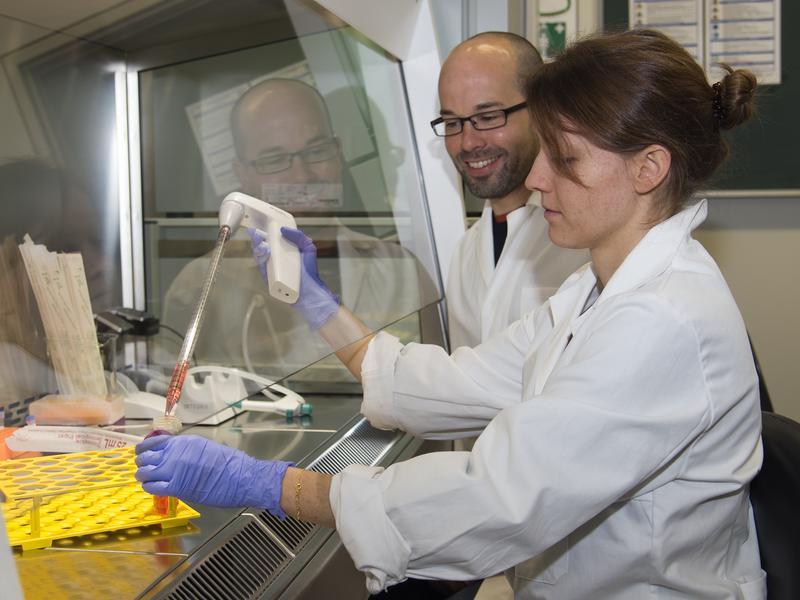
(617, 446)
(483, 298)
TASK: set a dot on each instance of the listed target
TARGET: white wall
(756, 242)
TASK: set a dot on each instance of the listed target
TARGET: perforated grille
(291, 532)
(240, 569)
(364, 445)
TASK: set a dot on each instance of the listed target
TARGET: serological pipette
(182, 366)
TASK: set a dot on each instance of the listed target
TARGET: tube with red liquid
(166, 425)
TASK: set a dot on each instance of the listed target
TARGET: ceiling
(23, 23)
(58, 16)
(148, 26)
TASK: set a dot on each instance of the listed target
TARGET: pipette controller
(283, 270)
(283, 267)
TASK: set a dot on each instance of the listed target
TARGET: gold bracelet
(298, 487)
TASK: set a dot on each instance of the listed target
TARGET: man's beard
(511, 175)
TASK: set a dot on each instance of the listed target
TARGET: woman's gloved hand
(316, 302)
(193, 468)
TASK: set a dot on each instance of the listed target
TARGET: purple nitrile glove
(195, 469)
(316, 302)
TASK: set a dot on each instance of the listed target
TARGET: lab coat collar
(515, 220)
(568, 301)
(534, 200)
(655, 251)
(565, 310)
(648, 259)
(517, 217)
(485, 248)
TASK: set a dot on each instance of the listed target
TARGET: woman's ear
(650, 168)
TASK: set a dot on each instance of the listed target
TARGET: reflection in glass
(298, 126)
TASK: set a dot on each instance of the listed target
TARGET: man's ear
(650, 168)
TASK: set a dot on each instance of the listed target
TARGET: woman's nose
(537, 178)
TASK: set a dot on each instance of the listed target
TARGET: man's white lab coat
(483, 298)
(620, 434)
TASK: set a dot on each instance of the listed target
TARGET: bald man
(505, 265)
(286, 151)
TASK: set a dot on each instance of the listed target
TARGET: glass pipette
(182, 366)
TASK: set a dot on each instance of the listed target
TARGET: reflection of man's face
(478, 78)
(285, 138)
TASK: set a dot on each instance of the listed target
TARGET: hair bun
(737, 97)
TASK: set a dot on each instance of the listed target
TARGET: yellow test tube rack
(66, 495)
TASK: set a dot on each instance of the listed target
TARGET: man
(505, 265)
(287, 154)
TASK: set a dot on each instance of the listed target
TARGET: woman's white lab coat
(483, 298)
(621, 433)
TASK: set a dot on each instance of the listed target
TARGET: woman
(620, 422)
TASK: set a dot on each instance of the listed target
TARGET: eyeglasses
(491, 119)
(275, 163)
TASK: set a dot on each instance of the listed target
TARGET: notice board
(765, 152)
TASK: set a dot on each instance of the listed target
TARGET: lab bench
(230, 554)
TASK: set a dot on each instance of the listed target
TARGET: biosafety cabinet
(125, 124)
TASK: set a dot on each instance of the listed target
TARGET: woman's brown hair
(625, 91)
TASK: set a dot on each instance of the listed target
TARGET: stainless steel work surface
(272, 436)
(124, 564)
